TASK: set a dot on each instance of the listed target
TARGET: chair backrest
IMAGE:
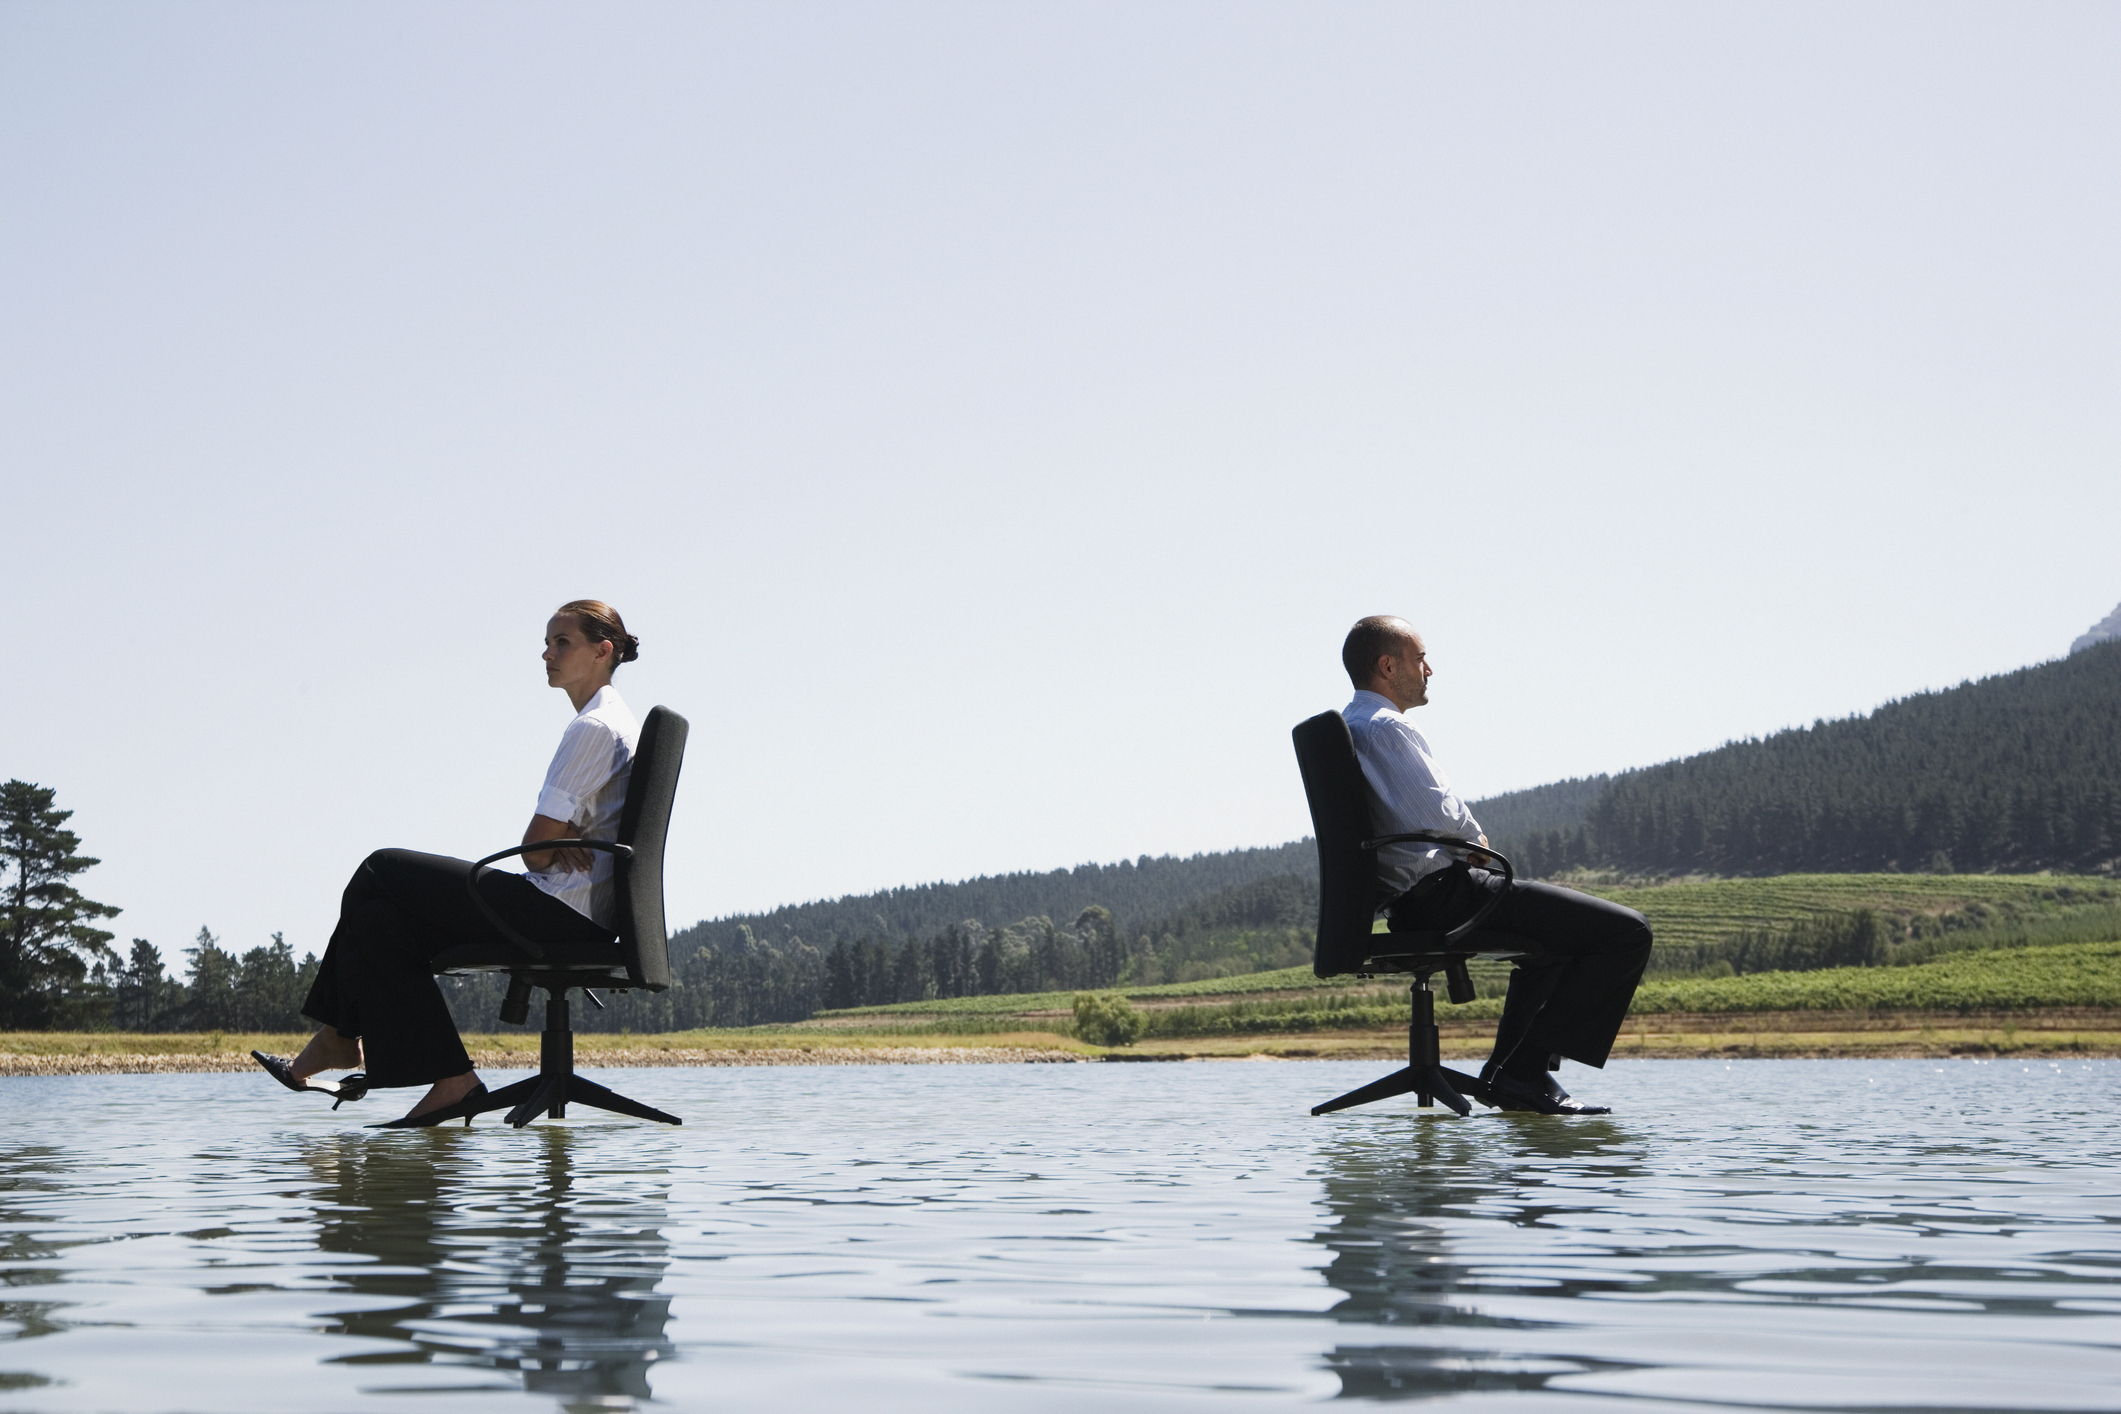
(644, 822)
(1340, 820)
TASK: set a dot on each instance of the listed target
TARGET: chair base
(1429, 1082)
(556, 1086)
(550, 1095)
(1424, 1076)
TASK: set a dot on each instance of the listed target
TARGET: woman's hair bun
(602, 623)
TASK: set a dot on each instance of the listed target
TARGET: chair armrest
(1437, 837)
(623, 851)
(1421, 837)
(471, 881)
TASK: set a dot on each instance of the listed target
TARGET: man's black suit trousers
(1571, 992)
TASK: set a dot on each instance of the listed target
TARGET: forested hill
(2016, 772)
(1521, 814)
(1136, 891)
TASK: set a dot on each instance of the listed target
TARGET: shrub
(1107, 1019)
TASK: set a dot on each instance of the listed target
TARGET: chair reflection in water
(518, 1265)
(1417, 1315)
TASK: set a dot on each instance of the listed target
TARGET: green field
(1927, 916)
(1720, 926)
(1958, 943)
(2001, 979)
(1924, 906)
(2072, 975)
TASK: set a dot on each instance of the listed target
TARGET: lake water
(1901, 1235)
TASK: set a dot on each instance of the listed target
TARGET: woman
(375, 993)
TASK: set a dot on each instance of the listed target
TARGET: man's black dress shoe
(1543, 1096)
(351, 1087)
(462, 1109)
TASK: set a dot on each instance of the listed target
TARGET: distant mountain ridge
(2105, 631)
(2015, 772)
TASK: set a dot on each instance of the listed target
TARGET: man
(1569, 996)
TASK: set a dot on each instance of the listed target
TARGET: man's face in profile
(1411, 673)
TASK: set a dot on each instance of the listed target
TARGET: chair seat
(1412, 961)
(1415, 950)
(604, 959)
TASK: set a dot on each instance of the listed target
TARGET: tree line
(1136, 892)
(58, 970)
(260, 990)
(745, 979)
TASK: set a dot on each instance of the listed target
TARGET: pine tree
(269, 989)
(46, 944)
(143, 996)
(212, 1003)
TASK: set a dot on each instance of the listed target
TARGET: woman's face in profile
(572, 657)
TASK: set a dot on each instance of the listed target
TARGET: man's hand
(568, 861)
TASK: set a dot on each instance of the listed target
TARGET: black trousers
(399, 910)
(1570, 994)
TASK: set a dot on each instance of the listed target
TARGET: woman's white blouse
(586, 787)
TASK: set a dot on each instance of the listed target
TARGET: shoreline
(2076, 1033)
(234, 1062)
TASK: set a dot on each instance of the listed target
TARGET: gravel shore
(229, 1062)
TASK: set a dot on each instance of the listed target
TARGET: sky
(991, 418)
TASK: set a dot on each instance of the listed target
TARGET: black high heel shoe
(348, 1088)
(462, 1109)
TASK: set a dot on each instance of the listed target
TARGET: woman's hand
(568, 861)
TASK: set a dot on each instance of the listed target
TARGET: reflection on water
(1778, 1235)
(238, 1257)
(28, 1266)
(1398, 1266)
(1851, 1242)
(511, 1270)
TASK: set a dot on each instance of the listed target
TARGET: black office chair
(641, 957)
(1348, 900)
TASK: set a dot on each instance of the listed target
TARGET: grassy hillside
(1965, 943)
(1691, 913)
(2075, 975)
(1718, 925)
(2000, 979)
(1261, 925)
(1801, 922)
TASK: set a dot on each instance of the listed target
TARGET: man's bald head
(1386, 656)
(1378, 636)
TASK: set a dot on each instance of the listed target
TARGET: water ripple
(1799, 1235)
